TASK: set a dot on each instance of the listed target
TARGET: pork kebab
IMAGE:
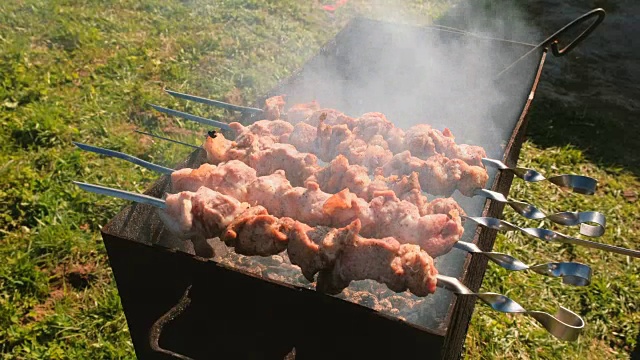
(263, 146)
(373, 128)
(337, 255)
(384, 215)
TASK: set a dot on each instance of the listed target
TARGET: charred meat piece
(255, 232)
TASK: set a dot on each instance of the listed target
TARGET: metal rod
(123, 156)
(578, 183)
(127, 195)
(564, 325)
(216, 103)
(567, 218)
(167, 139)
(572, 273)
(195, 118)
(550, 236)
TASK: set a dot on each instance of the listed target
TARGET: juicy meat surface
(438, 174)
(205, 212)
(306, 204)
(442, 165)
(330, 117)
(262, 133)
(267, 191)
(384, 215)
(301, 112)
(400, 267)
(303, 137)
(230, 178)
(297, 166)
(255, 232)
(340, 255)
(421, 140)
(371, 124)
(274, 107)
(340, 175)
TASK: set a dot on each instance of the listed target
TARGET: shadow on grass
(586, 99)
(605, 134)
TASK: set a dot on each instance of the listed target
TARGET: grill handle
(553, 39)
(157, 327)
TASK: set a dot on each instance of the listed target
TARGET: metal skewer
(122, 194)
(572, 273)
(566, 218)
(215, 103)
(167, 139)
(550, 236)
(527, 210)
(565, 324)
(184, 115)
(578, 183)
(123, 156)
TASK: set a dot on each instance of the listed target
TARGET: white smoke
(435, 76)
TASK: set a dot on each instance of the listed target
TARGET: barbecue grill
(180, 304)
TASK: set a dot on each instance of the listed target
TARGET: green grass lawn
(86, 70)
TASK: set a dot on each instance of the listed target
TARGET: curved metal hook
(565, 324)
(572, 273)
(578, 183)
(549, 235)
(553, 39)
(592, 223)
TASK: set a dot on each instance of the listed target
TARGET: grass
(86, 70)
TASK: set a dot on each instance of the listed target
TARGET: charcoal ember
(220, 250)
(255, 269)
(381, 290)
(345, 294)
(410, 317)
(270, 261)
(361, 285)
(282, 272)
(385, 305)
(248, 264)
(230, 259)
(285, 257)
(272, 275)
(365, 299)
(392, 312)
(277, 258)
(402, 303)
(418, 306)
